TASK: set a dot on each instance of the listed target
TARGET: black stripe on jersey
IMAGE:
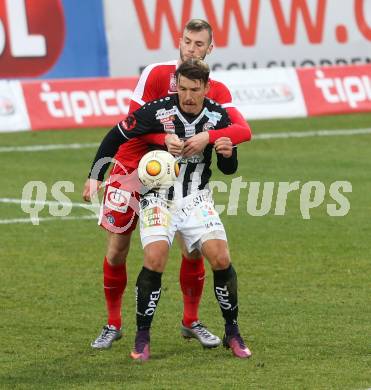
(206, 173)
(190, 168)
(205, 176)
(170, 195)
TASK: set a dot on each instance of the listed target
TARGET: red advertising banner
(335, 90)
(77, 102)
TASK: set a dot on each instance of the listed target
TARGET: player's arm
(238, 131)
(135, 125)
(171, 141)
(154, 139)
(106, 151)
(226, 155)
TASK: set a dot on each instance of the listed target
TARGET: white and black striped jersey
(165, 115)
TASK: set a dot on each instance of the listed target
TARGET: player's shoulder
(164, 103)
(219, 92)
(213, 105)
(158, 68)
(217, 85)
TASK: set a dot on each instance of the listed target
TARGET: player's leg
(191, 278)
(191, 227)
(225, 290)
(148, 293)
(156, 236)
(120, 221)
(114, 284)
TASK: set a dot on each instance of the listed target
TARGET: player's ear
(210, 48)
(207, 87)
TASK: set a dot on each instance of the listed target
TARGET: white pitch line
(87, 206)
(90, 207)
(314, 133)
(45, 148)
(263, 136)
(43, 219)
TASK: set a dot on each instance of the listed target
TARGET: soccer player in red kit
(157, 81)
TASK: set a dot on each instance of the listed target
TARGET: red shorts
(120, 205)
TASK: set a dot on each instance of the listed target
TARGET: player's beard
(184, 59)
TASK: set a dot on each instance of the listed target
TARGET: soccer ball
(158, 168)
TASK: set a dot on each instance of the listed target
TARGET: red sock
(192, 277)
(115, 280)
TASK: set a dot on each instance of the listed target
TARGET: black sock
(148, 292)
(225, 289)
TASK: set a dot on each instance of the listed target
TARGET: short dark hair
(194, 69)
(199, 25)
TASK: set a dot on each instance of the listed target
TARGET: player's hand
(91, 187)
(174, 144)
(196, 144)
(224, 146)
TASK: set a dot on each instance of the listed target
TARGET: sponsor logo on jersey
(172, 84)
(155, 216)
(214, 117)
(209, 217)
(195, 201)
(170, 118)
(110, 219)
(169, 128)
(167, 122)
(208, 126)
(189, 129)
(163, 113)
(195, 159)
(128, 123)
(153, 201)
(208, 211)
(117, 199)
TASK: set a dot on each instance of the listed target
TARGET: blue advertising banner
(85, 50)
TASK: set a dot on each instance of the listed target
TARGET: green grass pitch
(304, 284)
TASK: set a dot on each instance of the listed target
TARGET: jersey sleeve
(133, 106)
(137, 124)
(238, 131)
(106, 151)
(228, 165)
(154, 139)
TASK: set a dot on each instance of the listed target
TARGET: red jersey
(157, 81)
